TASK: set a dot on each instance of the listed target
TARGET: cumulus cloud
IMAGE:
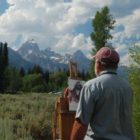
(48, 21)
(131, 23)
(70, 43)
(52, 23)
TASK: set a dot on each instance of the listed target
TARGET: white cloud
(124, 39)
(78, 41)
(30, 18)
(77, 13)
(45, 20)
(123, 52)
(125, 60)
(70, 43)
(52, 23)
(132, 23)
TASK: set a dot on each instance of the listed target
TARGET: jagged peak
(48, 49)
(30, 44)
(79, 53)
(32, 41)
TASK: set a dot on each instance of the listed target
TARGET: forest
(36, 79)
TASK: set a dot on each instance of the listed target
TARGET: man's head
(106, 58)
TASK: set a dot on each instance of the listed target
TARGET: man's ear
(99, 67)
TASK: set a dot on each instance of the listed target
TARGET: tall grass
(26, 117)
(29, 116)
(136, 115)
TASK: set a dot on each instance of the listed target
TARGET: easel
(62, 116)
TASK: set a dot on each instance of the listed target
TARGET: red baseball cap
(107, 55)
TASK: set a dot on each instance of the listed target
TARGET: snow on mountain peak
(30, 51)
(31, 41)
(48, 58)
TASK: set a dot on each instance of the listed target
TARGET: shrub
(26, 116)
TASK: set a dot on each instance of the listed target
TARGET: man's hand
(78, 131)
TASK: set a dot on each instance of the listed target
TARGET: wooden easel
(71, 65)
(62, 117)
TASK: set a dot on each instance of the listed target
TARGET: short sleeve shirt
(106, 105)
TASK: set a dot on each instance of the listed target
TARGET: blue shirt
(106, 105)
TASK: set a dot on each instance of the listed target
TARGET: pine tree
(3, 65)
(0, 56)
(37, 69)
(5, 55)
(47, 76)
(1, 73)
(22, 72)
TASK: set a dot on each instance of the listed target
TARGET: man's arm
(79, 130)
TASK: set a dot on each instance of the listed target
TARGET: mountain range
(29, 54)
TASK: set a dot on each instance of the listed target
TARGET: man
(105, 103)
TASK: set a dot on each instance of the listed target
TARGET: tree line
(13, 80)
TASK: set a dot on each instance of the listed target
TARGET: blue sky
(3, 6)
(65, 25)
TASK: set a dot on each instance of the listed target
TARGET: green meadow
(26, 116)
(29, 116)
(136, 115)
